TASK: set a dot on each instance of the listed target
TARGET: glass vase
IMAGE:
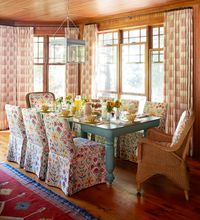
(109, 116)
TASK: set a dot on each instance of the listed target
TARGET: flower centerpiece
(117, 106)
(68, 99)
(110, 105)
(109, 108)
(58, 103)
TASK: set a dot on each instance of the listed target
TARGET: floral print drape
(178, 52)
(72, 68)
(16, 67)
(88, 68)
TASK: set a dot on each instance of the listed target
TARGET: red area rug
(21, 198)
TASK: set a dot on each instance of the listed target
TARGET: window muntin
(134, 36)
(107, 39)
(38, 43)
(158, 37)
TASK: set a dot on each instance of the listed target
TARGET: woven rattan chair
(164, 154)
(128, 144)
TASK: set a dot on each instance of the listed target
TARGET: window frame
(46, 63)
(148, 74)
(151, 49)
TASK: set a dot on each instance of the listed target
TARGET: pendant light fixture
(75, 48)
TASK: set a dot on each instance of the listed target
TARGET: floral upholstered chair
(37, 145)
(127, 144)
(168, 153)
(74, 164)
(17, 140)
(36, 99)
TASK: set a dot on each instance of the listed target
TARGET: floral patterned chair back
(17, 140)
(59, 135)
(74, 164)
(37, 145)
(157, 109)
(130, 104)
(36, 99)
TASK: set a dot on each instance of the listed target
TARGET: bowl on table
(91, 118)
(131, 117)
(44, 108)
(65, 113)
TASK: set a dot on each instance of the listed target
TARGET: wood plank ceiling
(17, 12)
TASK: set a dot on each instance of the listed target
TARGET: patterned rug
(23, 198)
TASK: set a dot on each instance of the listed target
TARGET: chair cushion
(180, 127)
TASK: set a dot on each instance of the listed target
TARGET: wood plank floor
(160, 199)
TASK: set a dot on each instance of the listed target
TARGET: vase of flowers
(58, 104)
(68, 101)
(117, 106)
(109, 107)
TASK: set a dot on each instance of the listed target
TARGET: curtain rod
(138, 15)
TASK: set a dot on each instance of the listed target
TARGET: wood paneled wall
(197, 81)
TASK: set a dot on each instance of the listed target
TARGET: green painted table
(114, 129)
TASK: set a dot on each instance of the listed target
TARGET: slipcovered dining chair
(74, 163)
(17, 139)
(128, 144)
(126, 104)
(160, 153)
(37, 145)
(36, 99)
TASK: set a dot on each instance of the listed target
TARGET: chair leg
(138, 189)
(186, 195)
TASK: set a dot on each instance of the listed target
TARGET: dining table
(115, 128)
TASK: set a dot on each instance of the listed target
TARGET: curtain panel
(178, 53)
(88, 68)
(16, 67)
(72, 68)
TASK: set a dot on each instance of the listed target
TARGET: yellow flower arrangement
(68, 99)
(110, 105)
(117, 104)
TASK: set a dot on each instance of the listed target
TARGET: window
(38, 63)
(129, 67)
(56, 67)
(107, 64)
(133, 62)
(49, 65)
(157, 65)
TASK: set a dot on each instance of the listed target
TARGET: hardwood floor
(160, 199)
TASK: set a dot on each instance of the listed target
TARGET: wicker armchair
(128, 144)
(165, 154)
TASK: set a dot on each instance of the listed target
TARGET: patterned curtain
(88, 68)
(178, 52)
(71, 69)
(16, 67)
